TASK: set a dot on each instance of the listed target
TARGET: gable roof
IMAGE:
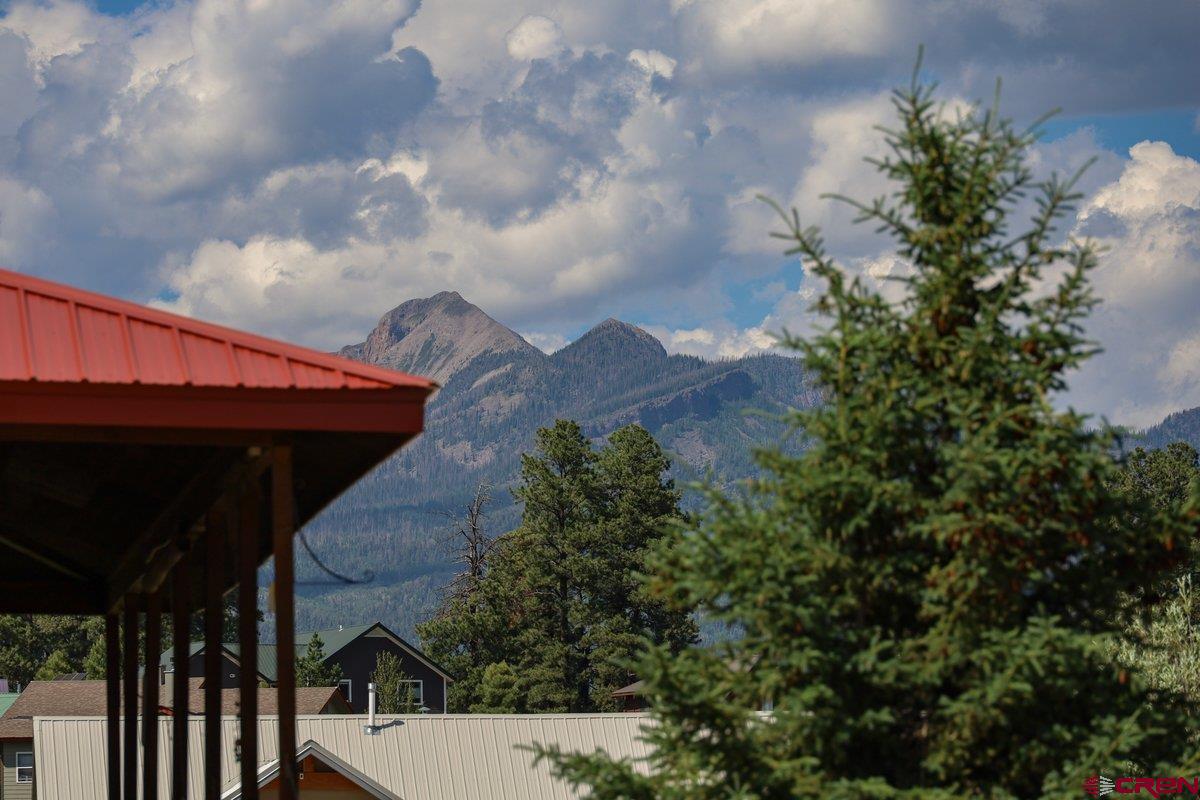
(309, 700)
(632, 690)
(88, 699)
(232, 650)
(430, 757)
(333, 640)
(410, 648)
(51, 698)
(270, 771)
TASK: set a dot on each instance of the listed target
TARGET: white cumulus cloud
(1148, 222)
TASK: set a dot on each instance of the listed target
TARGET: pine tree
(57, 664)
(312, 669)
(549, 560)
(637, 506)
(932, 593)
(559, 605)
(499, 691)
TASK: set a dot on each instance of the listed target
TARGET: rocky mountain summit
(435, 337)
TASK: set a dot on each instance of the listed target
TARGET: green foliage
(393, 687)
(28, 642)
(311, 668)
(95, 663)
(1165, 648)
(499, 691)
(57, 664)
(559, 604)
(1164, 645)
(1162, 478)
(932, 593)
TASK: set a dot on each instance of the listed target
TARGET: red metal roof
(70, 357)
(56, 333)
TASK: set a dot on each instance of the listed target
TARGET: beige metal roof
(310, 749)
(430, 757)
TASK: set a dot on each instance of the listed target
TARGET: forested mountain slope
(497, 390)
(1182, 426)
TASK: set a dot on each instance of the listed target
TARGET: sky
(299, 167)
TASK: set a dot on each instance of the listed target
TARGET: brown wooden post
(282, 528)
(181, 627)
(150, 695)
(248, 531)
(214, 581)
(112, 677)
(130, 770)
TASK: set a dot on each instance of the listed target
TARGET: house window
(418, 691)
(24, 767)
(347, 689)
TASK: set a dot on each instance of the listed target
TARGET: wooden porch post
(150, 694)
(282, 528)
(112, 676)
(214, 578)
(130, 701)
(247, 537)
(181, 625)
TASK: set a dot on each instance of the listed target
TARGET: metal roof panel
(434, 757)
(50, 332)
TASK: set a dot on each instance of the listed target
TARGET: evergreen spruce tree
(932, 594)
(311, 668)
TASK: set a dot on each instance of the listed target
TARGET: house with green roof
(354, 649)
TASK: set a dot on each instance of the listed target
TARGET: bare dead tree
(472, 545)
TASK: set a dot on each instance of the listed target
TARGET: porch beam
(181, 624)
(248, 529)
(282, 529)
(112, 697)
(130, 700)
(214, 583)
(150, 697)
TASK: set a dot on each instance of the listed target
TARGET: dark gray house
(354, 649)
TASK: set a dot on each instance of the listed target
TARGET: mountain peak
(436, 337)
(610, 341)
(616, 329)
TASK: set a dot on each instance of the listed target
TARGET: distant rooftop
(88, 699)
(332, 640)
